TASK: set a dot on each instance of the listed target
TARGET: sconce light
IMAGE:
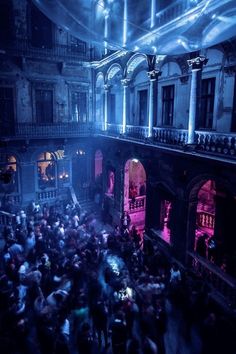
(64, 176)
(80, 152)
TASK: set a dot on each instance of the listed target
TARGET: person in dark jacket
(119, 334)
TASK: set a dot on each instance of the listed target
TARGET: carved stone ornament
(154, 74)
(106, 87)
(197, 63)
(125, 82)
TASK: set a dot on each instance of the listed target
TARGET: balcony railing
(21, 47)
(64, 130)
(222, 284)
(136, 132)
(6, 218)
(175, 10)
(207, 142)
(46, 195)
(115, 129)
(170, 136)
(205, 219)
(216, 143)
(138, 204)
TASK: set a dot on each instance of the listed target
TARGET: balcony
(210, 143)
(59, 52)
(207, 142)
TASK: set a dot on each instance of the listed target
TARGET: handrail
(223, 284)
(64, 51)
(212, 268)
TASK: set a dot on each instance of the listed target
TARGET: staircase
(87, 205)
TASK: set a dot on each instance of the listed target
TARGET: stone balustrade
(205, 219)
(216, 143)
(207, 142)
(138, 204)
(115, 129)
(136, 132)
(171, 136)
(46, 195)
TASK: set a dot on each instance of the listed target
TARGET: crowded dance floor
(72, 284)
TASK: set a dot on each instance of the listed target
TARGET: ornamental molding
(154, 74)
(197, 63)
(125, 82)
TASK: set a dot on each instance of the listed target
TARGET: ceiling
(147, 26)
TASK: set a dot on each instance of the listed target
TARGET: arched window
(135, 193)
(8, 174)
(205, 220)
(46, 167)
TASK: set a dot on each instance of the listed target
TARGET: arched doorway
(135, 193)
(213, 215)
(205, 219)
(46, 169)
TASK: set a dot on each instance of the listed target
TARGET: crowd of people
(70, 285)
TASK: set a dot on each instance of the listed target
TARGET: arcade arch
(135, 193)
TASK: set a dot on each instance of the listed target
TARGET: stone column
(196, 65)
(29, 182)
(152, 111)
(125, 23)
(106, 90)
(153, 13)
(125, 83)
(106, 19)
(178, 226)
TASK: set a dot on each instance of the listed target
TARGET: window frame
(208, 99)
(165, 102)
(140, 89)
(11, 85)
(44, 86)
(74, 87)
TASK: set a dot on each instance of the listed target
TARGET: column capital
(107, 87)
(154, 74)
(125, 82)
(197, 63)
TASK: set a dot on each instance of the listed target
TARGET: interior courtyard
(117, 177)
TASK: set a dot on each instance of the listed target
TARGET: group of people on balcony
(211, 247)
